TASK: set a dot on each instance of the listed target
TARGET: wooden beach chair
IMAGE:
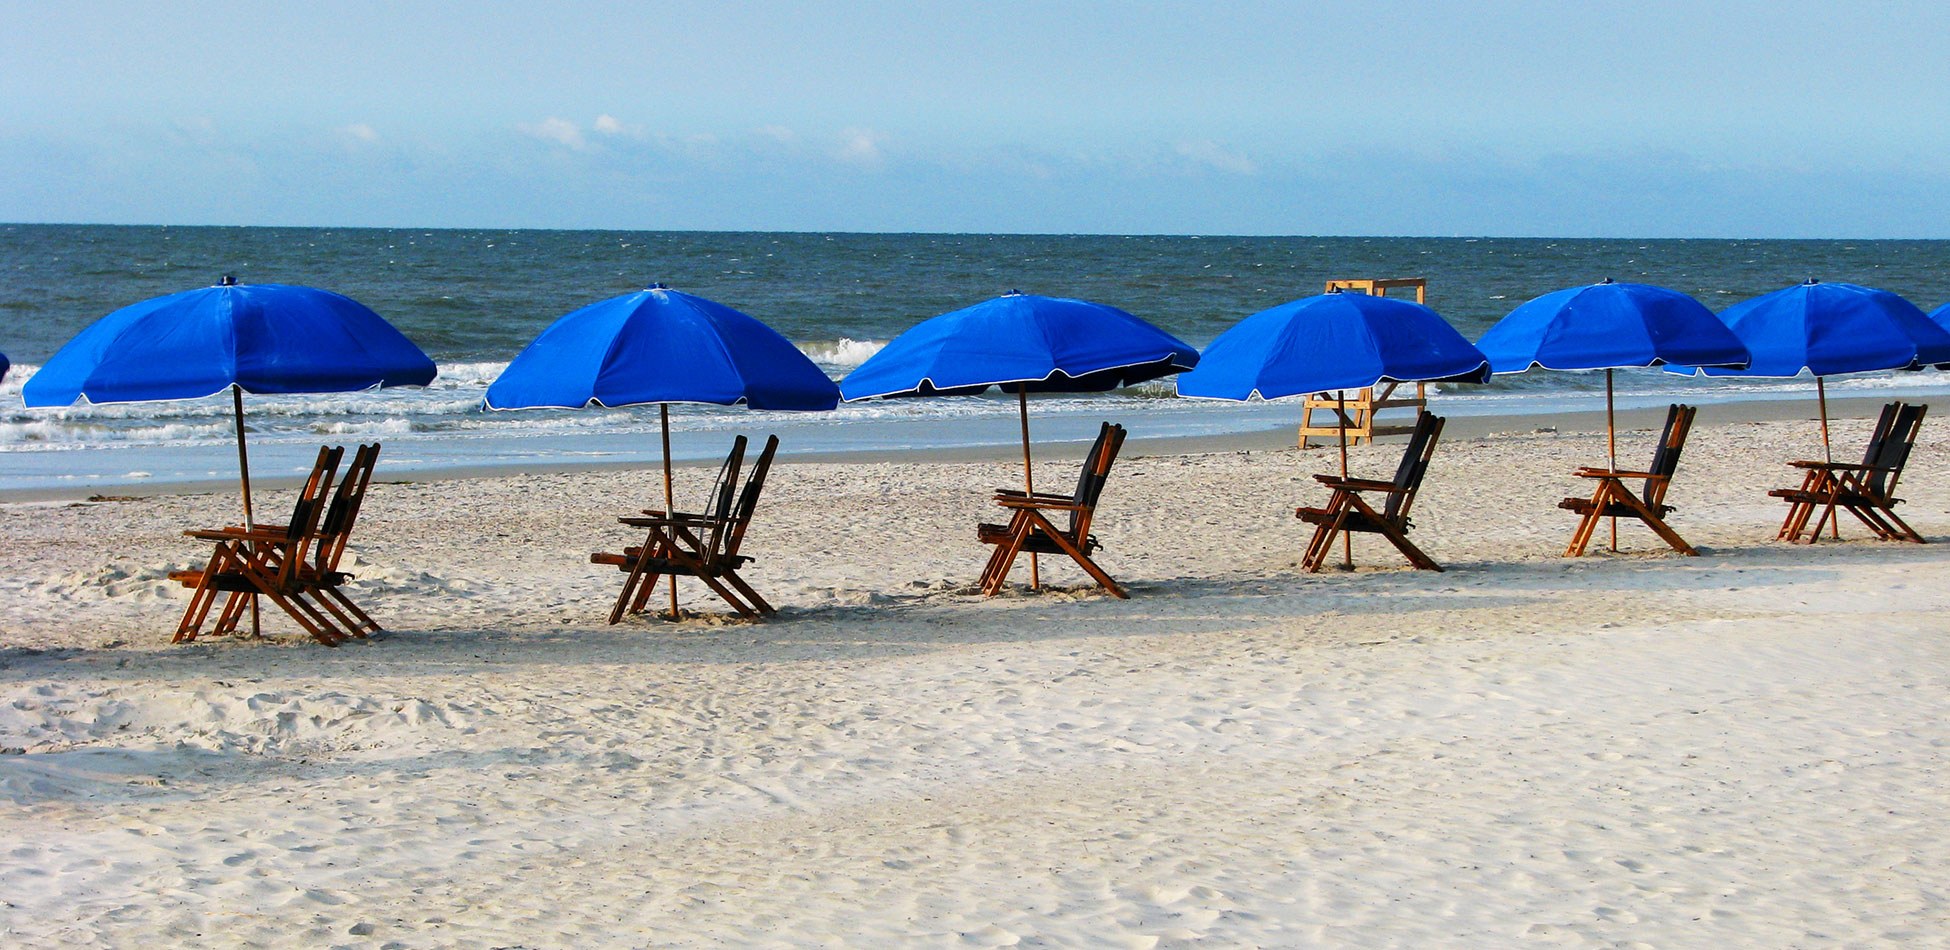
(1866, 491)
(1612, 499)
(1030, 529)
(319, 581)
(705, 546)
(1347, 510)
(266, 561)
(322, 580)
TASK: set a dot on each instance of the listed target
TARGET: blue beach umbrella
(1021, 343)
(1610, 326)
(1333, 342)
(256, 338)
(4, 366)
(661, 346)
(1829, 328)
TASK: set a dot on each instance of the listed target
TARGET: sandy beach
(1744, 748)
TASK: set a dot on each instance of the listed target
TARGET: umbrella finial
(228, 280)
(658, 285)
(1012, 292)
(1810, 282)
(1334, 289)
(1605, 281)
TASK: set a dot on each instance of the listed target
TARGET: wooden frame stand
(1321, 417)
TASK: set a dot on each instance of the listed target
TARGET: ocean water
(474, 298)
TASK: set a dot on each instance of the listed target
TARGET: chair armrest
(1608, 473)
(1065, 504)
(678, 520)
(1356, 484)
(1040, 496)
(232, 534)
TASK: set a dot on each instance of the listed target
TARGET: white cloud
(1208, 152)
(607, 124)
(361, 131)
(558, 130)
(859, 147)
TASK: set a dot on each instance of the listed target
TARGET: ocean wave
(42, 434)
(16, 377)
(841, 354)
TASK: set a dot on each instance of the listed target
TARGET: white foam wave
(842, 354)
(16, 377)
(58, 433)
(378, 427)
(473, 377)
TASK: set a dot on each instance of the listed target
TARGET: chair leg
(1799, 510)
(1001, 560)
(234, 608)
(203, 597)
(201, 600)
(1588, 522)
(724, 593)
(751, 596)
(1396, 534)
(1885, 523)
(363, 621)
(635, 579)
(1040, 524)
(1005, 559)
(346, 625)
(1656, 523)
(1323, 540)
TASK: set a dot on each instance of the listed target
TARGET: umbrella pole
(1611, 450)
(243, 457)
(244, 474)
(1827, 455)
(1340, 416)
(1821, 395)
(250, 523)
(1028, 484)
(670, 506)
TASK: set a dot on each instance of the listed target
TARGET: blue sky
(1641, 119)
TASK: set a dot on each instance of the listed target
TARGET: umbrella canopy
(1829, 328)
(1333, 341)
(260, 338)
(4, 366)
(661, 346)
(1610, 325)
(1021, 343)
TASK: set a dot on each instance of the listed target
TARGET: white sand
(1745, 748)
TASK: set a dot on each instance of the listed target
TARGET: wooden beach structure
(1324, 416)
